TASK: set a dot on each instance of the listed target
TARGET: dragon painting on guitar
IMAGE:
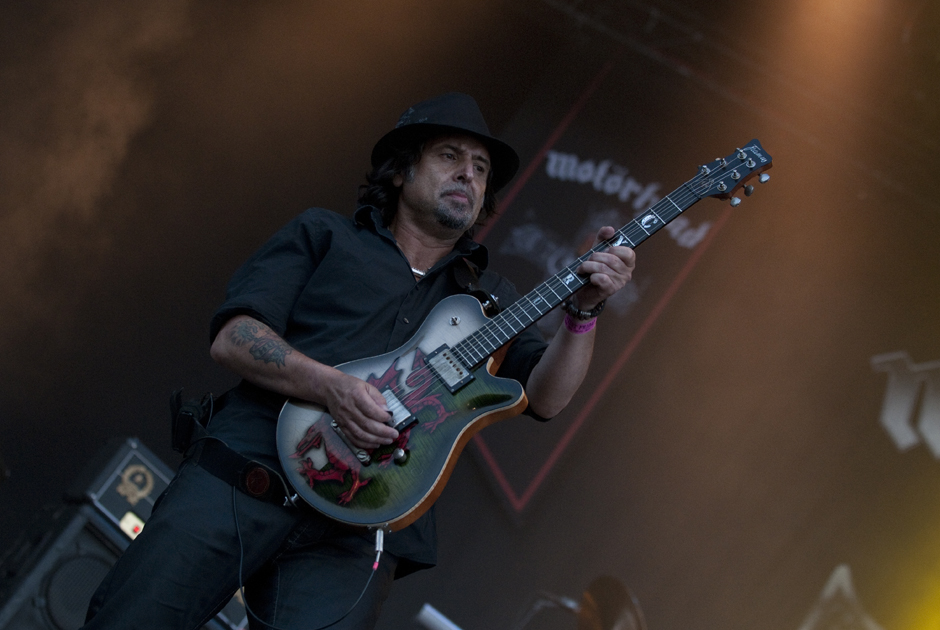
(370, 349)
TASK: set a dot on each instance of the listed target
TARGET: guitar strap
(192, 438)
(467, 276)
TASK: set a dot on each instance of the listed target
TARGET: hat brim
(504, 159)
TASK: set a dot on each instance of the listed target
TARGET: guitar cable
(379, 548)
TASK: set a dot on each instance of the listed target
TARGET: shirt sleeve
(269, 283)
(526, 349)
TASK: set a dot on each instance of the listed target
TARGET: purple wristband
(578, 327)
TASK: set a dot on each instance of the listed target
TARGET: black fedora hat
(449, 113)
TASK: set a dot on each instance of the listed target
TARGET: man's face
(448, 183)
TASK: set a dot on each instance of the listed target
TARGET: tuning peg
(748, 190)
(735, 202)
(764, 178)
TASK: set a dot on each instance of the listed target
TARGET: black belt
(191, 438)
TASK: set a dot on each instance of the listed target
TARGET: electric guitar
(440, 386)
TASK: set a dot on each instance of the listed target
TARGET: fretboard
(498, 331)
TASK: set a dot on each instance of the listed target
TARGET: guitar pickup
(449, 369)
(402, 418)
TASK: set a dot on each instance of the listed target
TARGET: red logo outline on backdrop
(519, 501)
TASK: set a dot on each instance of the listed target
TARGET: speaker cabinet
(47, 577)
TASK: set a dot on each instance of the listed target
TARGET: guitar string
(682, 195)
(493, 328)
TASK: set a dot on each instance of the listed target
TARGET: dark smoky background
(146, 149)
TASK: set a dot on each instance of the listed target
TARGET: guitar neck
(477, 347)
(719, 178)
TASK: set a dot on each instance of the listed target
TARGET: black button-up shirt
(337, 290)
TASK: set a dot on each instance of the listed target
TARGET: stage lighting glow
(838, 39)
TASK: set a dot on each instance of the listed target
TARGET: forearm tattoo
(265, 345)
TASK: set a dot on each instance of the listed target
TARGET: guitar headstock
(724, 176)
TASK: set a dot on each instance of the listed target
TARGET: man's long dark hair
(381, 192)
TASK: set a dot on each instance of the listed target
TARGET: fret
(549, 285)
(648, 223)
(661, 223)
(529, 308)
(635, 233)
(540, 302)
(491, 336)
(477, 344)
(475, 355)
(497, 336)
(666, 212)
(507, 316)
(624, 236)
(678, 209)
(498, 323)
(520, 313)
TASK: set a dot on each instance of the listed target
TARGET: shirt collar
(473, 251)
(368, 216)
(371, 217)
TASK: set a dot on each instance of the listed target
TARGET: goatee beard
(452, 215)
(451, 220)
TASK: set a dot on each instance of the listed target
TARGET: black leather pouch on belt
(190, 419)
(191, 437)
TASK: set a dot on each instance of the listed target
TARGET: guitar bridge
(449, 369)
(402, 418)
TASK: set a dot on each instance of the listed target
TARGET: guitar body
(388, 492)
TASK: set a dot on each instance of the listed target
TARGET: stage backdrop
(756, 444)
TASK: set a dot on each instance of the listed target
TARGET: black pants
(300, 570)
